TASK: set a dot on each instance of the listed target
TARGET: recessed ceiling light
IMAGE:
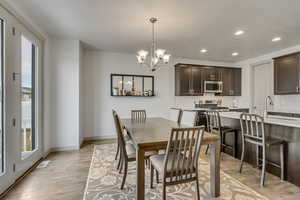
(239, 32)
(235, 54)
(276, 39)
(203, 51)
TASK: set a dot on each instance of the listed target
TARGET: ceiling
(184, 27)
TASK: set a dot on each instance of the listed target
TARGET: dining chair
(189, 118)
(214, 125)
(176, 114)
(138, 115)
(127, 150)
(253, 132)
(180, 162)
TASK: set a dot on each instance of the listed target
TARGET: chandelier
(157, 56)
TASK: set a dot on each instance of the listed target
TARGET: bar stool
(214, 126)
(253, 132)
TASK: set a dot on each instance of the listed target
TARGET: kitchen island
(287, 129)
(201, 118)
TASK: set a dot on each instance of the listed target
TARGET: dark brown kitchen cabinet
(211, 74)
(182, 83)
(197, 80)
(287, 74)
(231, 78)
(189, 79)
(237, 85)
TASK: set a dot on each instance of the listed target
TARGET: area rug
(104, 182)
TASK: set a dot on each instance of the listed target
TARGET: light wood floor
(66, 175)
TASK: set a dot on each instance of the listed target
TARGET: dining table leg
(215, 169)
(140, 174)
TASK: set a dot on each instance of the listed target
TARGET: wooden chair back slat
(138, 115)
(183, 153)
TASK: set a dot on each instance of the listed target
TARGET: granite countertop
(282, 121)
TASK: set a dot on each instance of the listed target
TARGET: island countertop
(190, 108)
(282, 121)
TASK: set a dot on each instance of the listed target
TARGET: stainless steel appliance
(213, 86)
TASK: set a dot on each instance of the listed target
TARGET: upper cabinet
(231, 78)
(287, 74)
(189, 79)
(211, 74)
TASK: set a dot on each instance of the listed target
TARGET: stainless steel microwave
(213, 86)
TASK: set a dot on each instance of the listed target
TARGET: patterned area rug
(104, 182)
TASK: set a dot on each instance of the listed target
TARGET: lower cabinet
(189, 79)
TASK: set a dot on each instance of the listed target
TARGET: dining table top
(156, 131)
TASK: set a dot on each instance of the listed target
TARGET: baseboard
(103, 137)
(46, 153)
(81, 143)
(72, 148)
(69, 148)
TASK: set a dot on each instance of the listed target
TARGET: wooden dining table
(153, 134)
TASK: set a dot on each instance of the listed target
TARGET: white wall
(284, 103)
(81, 138)
(63, 94)
(47, 134)
(98, 104)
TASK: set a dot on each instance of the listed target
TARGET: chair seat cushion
(131, 152)
(157, 162)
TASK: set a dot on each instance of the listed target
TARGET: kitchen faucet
(270, 102)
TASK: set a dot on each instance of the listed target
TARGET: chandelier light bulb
(166, 58)
(140, 60)
(160, 53)
(143, 54)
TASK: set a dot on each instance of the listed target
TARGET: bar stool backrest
(253, 128)
(181, 160)
(138, 115)
(120, 135)
(213, 120)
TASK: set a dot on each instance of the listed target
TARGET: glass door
(7, 153)
(29, 140)
(20, 100)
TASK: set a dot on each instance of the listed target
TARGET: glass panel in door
(28, 136)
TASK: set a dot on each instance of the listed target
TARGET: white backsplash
(188, 101)
(287, 103)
